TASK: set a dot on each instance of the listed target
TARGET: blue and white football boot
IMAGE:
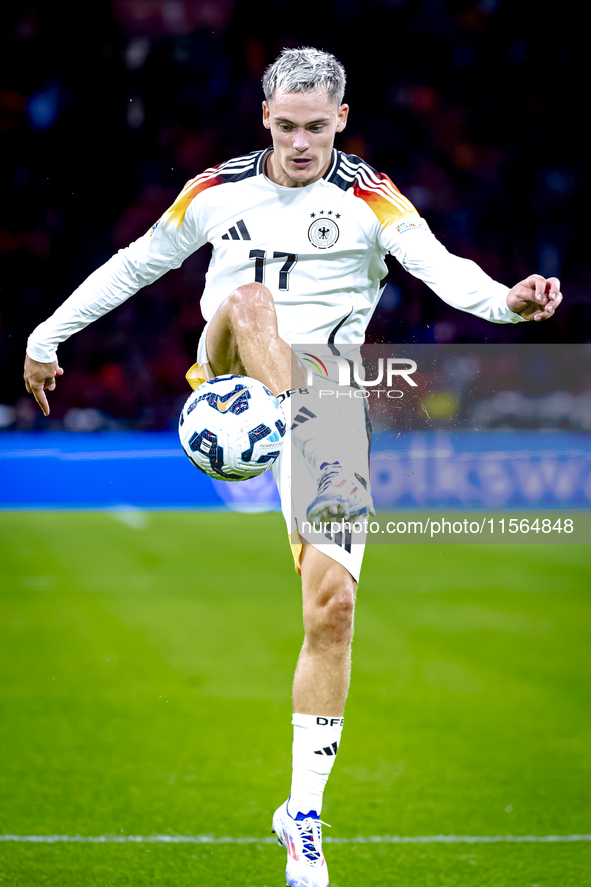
(339, 497)
(302, 838)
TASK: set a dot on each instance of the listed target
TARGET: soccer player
(299, 234)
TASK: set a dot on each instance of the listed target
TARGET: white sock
(315, 743)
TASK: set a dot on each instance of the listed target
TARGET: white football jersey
(319, 249)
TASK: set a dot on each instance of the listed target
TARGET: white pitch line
(231, 839)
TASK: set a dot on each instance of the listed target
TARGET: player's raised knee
(247, 300)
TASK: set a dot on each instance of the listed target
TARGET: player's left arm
(459, 282)
(535, 298)
(464, 285)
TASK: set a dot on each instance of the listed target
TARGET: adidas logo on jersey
(234, 234)
(329, 750)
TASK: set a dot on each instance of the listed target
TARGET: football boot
(302, 838)
(339, 497)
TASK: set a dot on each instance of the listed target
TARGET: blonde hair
(304, 70)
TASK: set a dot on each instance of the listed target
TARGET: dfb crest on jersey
(323, 233)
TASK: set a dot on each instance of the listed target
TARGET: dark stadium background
(475, 109)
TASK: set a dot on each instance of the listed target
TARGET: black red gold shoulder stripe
(235, 170)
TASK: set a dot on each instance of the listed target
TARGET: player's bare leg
(242, 337)
(322, 676)
(321, 681)
(319, 692)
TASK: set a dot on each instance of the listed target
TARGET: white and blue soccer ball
(232, 428)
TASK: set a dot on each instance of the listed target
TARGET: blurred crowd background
(499, 387)
(475, 108)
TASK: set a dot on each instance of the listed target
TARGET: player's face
(303, 127)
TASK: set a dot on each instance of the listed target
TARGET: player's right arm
(168, 243)
(39, 378)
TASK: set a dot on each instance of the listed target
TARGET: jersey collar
(333, 164)
(260, 167)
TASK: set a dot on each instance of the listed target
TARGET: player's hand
(535, 298)
(39, 378)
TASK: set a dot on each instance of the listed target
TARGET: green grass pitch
(145, 690)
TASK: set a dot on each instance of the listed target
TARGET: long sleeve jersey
(319, 249)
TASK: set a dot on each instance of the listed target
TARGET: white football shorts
(298, 488)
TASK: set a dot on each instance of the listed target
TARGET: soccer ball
(232, 428)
